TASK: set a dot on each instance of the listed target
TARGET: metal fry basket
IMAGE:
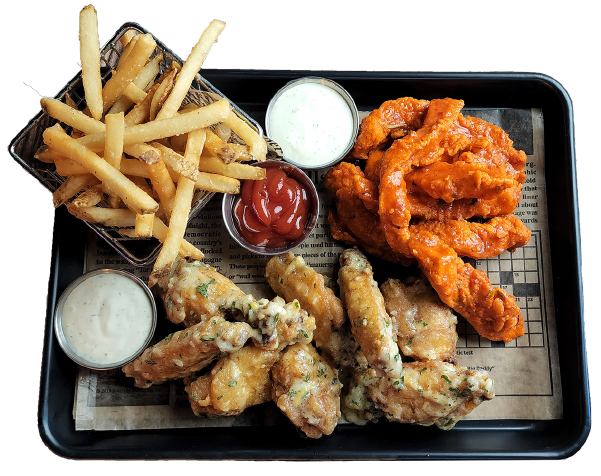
(138, 251)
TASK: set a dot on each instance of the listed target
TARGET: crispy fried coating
(425, 327)
(393, 118)
(290, 277)
(437, 393)
(238, 381)
(370, 323)
(307, 390)
(195, 291)
(490, 310)
(187, 351)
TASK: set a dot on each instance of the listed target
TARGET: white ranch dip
(107, 318)
(312, 123)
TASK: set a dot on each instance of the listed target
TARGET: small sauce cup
(314, 120)
(304, 181)
(93, 319)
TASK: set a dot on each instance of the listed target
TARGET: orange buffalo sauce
(271, 212)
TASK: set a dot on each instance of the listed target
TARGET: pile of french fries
(135, 155)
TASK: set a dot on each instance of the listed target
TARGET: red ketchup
(271, 212)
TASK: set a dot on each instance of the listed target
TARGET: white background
(39, 39)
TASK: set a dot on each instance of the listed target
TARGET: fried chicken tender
(290, 277)
(425, 327)
(437, 393)
(394, 118)
(187, 351)
(307, 390)
(195, 291)
(370, 323)
(238, 381)
(490, 310)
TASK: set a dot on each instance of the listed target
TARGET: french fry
(158, 129)
(191, 66)
(161, 94)
(113, 149)
(144, 80)
(180, 212)
(71, 187)
(134, 93)
(127, 50)
(217, 183)
(233, 170)
(159, 231)
(45, 154)
(141, 112)
(127, 37)
(223, 131)
(258, 146)
(121, 217)
(90, 60)
(132, 196)
(144, 224)
(140, 183)
(91, 197)
(138, 58)
(72, 117)
(218, 148)
(160, 178)
(241, 152)
(177, 162)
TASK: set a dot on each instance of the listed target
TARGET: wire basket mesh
(138, 251)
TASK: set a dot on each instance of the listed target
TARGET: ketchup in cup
(272, 212)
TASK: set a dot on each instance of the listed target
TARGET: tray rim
(564, 451)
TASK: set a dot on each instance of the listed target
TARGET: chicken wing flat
(370, 323)
(195, 291)
(425, 327)
(238, 381)
(307, 390)
(290, 277)
(437, 393)
(187, 351)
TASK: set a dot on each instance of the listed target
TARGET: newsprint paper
(525, 371)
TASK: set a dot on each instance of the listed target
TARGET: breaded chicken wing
(238, 381)
(187, 351)
(370, 323)
(307, 390)
(437, 393)
(290, 277)
(425, 327)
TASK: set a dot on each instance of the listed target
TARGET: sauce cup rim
(58, 320)
(303, 178)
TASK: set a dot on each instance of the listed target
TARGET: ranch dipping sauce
(314, 121)
(105, 318)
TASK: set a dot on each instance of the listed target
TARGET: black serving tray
(498, 439)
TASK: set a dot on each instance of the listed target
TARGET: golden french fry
(159, 231)
(217, 183)
(127, 37)
(72, 117)
(71, 187)
(113, 149)
(161, 94)
(180, 212)
(218, 148)
(132, 196)
(234, 170)
(127, 50)
(241, 152)
(140, 183)
(160, 178)
(223, 131)
(45, 154)
(143, 226)
(180, 124)
(91, 197)
(134, 93)
(191, 66)
(141, 112)
(177, 162)
(121, 217)
(69, 101)
(137, 59)
(144, 80)
(90, 60)
(258, 146)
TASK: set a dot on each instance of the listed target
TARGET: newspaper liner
(526, 370)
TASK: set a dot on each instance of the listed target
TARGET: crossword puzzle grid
(518, 273)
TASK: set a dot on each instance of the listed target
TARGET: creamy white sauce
(312, 124)
(107, 318)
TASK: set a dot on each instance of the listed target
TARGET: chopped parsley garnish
(169, 336)
(207, 339)
(219, 397)
(447, 379)
(307, 378)
(194, 396)
(233, 383)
